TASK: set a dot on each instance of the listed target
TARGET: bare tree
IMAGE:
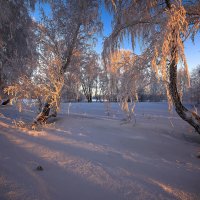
(162, 26)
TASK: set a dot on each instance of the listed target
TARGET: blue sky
(192, 51)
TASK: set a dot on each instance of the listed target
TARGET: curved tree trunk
(43, 115)
(5, 102)
(192, 118)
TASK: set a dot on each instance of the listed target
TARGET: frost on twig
(126, 77)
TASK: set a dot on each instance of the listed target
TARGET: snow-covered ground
(90, 153)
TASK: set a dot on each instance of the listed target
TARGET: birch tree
(71, 28)
(162, 27)
(127, 78)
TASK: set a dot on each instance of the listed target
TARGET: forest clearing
(87, 154)
(100, 99)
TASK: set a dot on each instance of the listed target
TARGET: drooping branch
(162, 37)
(191, 117)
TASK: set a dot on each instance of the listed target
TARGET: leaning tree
(70, 29)
(162, 26)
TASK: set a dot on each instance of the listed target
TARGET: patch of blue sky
(36, 15)
(192, 51)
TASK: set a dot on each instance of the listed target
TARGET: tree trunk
(90, 95)
(44, 115)
(5, 102)
(192, 118)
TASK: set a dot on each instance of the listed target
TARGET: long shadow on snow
(113, 165)
(20, 178)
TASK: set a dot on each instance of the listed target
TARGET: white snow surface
(90, 153)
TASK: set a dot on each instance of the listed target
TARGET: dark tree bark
(89, 98)
(87, 90)
(90, 95)
(192, 118)
(5, 102)
(42, 117)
